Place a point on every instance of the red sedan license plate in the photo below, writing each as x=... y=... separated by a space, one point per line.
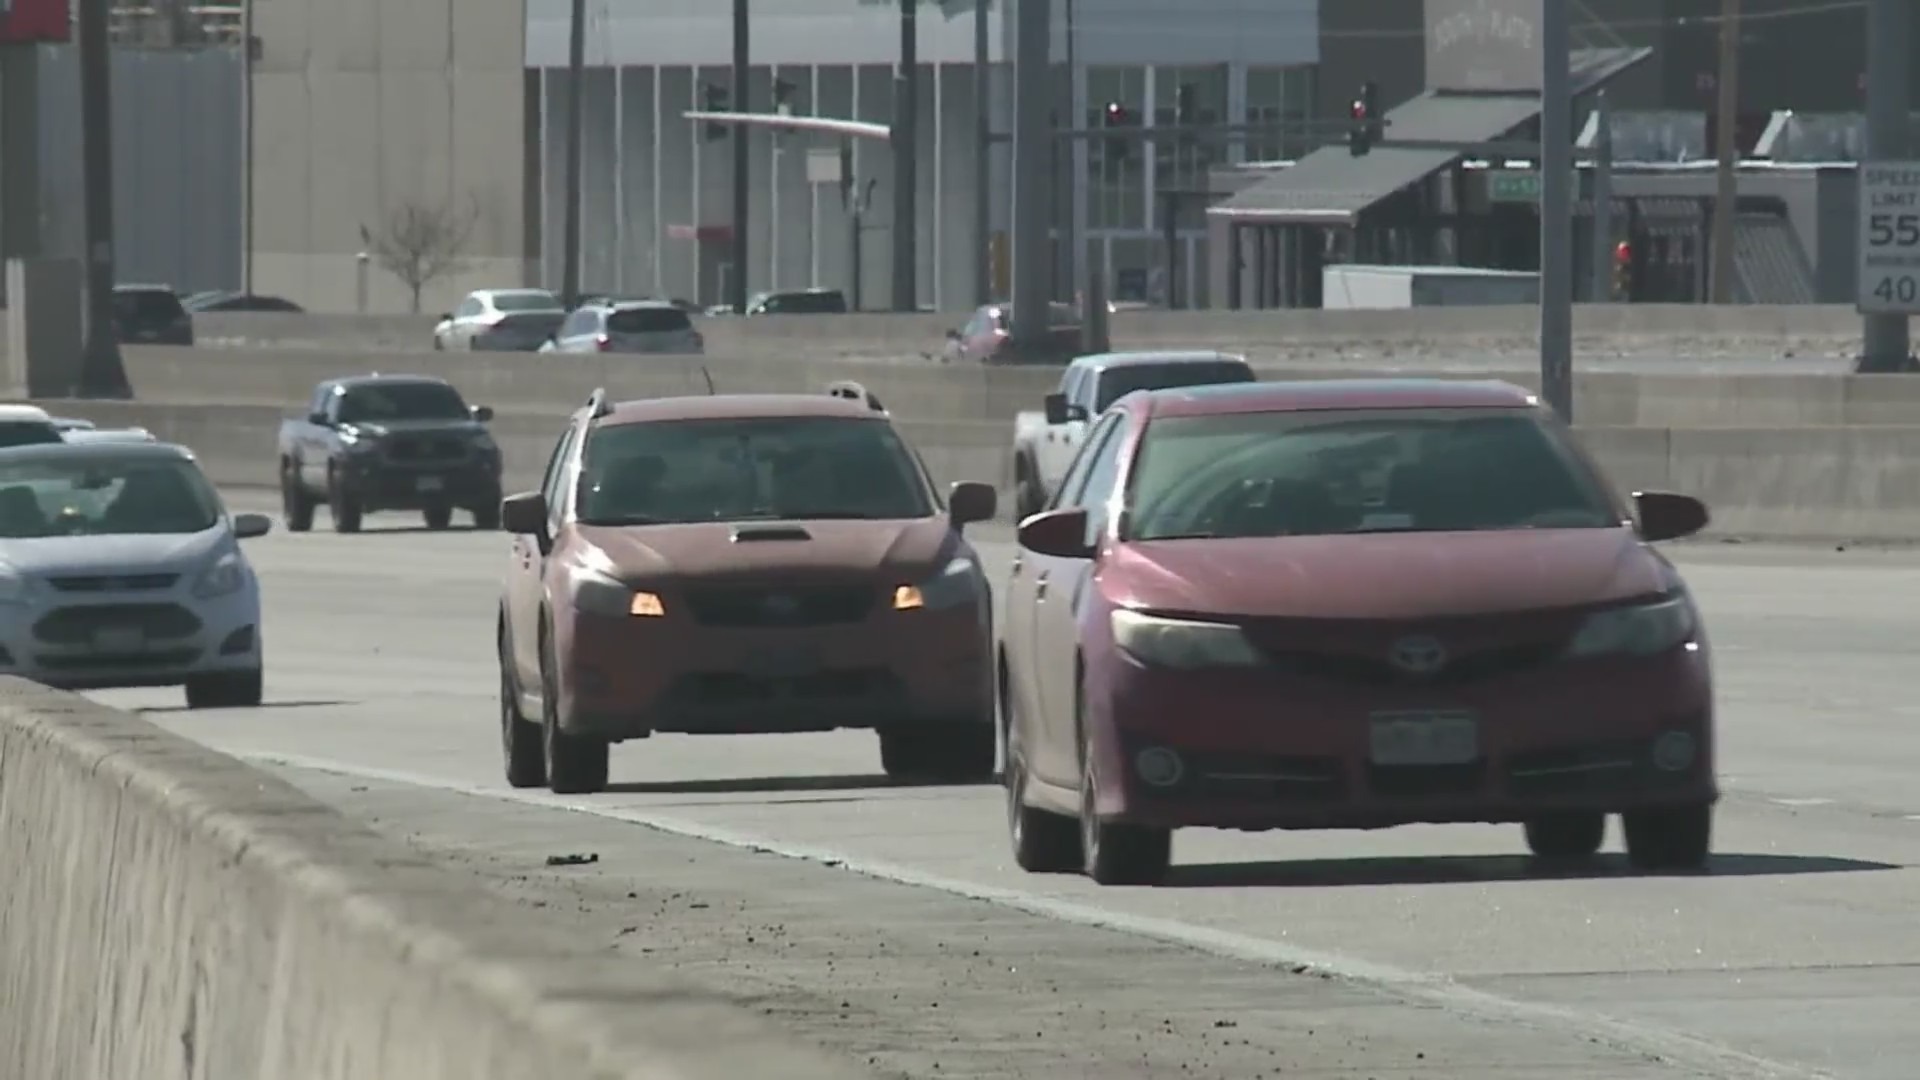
x=1424 y=737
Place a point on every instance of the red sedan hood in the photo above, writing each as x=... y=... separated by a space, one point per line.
x=708 y=550
x=1385 y=575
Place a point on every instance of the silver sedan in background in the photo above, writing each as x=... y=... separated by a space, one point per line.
x=628 y=326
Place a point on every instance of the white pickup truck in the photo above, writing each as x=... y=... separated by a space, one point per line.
x=1046 y=440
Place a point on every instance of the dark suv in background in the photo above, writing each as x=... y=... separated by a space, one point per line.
x=150 y=315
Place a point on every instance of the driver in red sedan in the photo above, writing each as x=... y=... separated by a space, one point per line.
x=1349 y=604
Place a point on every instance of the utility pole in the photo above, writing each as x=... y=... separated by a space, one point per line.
x=742 y=194
x=1073 y=273
x=103 y=372
x=246 y=147
x=906 y=179
x=576 y=87
x=1889 y=29
x=983 y=158
x=1556 y=209
x=1727 y=149
x=1032 y=160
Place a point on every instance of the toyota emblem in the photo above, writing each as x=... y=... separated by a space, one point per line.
x=1418 y=655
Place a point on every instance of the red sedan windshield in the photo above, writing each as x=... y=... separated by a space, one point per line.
x=1353 y=471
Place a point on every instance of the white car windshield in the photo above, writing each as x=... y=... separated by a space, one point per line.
x=104 y=496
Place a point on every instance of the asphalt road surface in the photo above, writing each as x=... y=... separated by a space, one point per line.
x=887 y=921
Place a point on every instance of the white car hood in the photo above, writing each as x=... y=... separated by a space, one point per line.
x=184 y=552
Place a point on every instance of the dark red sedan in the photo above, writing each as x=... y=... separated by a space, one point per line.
x=1349 y=605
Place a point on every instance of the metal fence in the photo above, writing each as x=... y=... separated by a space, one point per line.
x=177 y=155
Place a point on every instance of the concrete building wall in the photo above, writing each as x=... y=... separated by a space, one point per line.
x=177 y=163
x=366 y=107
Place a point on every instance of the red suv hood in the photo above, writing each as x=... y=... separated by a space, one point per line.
x=708 y=550
x=1385 y=575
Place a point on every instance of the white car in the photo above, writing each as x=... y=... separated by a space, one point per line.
x=27 y=425
x=500 y=320
x=120 y=566
x=74 y=429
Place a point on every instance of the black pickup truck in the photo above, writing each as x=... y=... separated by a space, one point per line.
x=389 y=442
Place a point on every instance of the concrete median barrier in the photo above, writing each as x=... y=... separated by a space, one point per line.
x=946 y=392
x=170 y=912
x=1822 y=482
x=1691 y=327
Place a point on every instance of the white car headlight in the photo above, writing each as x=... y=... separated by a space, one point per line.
x=224 y=576
x=1182 y=643
x=957 y=583
x=1642 y=630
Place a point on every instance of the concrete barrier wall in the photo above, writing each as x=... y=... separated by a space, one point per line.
x=1809 y=482
x=172 y=913
x=1763 y=327
x=922 y=390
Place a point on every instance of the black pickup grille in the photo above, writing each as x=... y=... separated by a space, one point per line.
x=98 y=583
x=425 y=448
x=773 y=607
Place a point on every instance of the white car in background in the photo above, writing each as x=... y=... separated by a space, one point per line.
x=27 y=425
x=500 y=320
x=627 y=326
x=120 y=566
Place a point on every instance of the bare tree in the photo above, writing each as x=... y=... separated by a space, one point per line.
x=421 y=242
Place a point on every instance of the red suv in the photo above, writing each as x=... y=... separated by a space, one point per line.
x=1349 y=604
x=743 y=564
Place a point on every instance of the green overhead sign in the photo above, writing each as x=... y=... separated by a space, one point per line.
x=1513 y=187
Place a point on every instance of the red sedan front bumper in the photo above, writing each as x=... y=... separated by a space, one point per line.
x=1266 y=750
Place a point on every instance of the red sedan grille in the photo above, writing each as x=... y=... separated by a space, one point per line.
x=1449 y=653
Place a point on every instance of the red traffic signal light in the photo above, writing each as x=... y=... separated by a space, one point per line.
x=1116 y=114
x=1359 y=109
x=1622 y=254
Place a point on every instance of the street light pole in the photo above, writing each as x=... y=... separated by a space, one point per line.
x=1889 y=27
x=570 y=219
x=983 y=158
x=742 y=161
x=906 y=177
x=1727 y=149
x=1032 y=158
x=1556 y=210
x=246 y=147
x=103 y=372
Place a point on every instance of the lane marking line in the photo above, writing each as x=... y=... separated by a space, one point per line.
x=1701 y=1056
x=1801 y=802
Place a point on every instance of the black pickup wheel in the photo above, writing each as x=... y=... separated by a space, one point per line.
x=295 y=504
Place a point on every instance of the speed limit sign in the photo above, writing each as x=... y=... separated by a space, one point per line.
x=1890 y=238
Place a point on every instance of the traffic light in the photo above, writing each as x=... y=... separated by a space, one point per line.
x=1623 y=271
x=713 y=99
x=1117 y=116
x=1364 y=115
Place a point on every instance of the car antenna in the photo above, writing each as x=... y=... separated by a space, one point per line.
x=707 y=375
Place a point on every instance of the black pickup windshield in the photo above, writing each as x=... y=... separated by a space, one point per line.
x=379 y=402
x=772 y=468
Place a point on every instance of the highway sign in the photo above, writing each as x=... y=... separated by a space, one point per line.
x=1889 y=267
